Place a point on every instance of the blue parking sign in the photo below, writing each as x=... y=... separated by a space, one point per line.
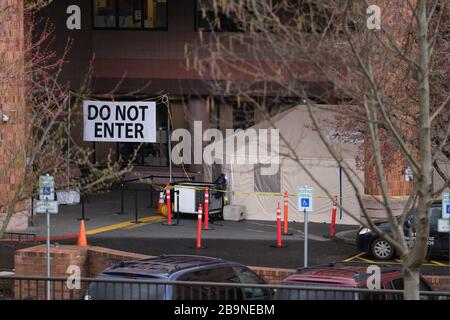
x=305 y=199
x=445 y=205
x=46 y=190
x=305 y=202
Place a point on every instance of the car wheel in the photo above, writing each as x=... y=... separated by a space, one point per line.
x=382 y=250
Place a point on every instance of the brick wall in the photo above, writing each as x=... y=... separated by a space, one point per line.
x=272 y=275
x=12 y=103
x=33 y=262
x=98 y=259
x=101 y=258
x=394 y=174
x=93 y=260
x=439 y=283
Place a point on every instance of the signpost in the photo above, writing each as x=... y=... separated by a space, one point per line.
x=119 y=121
x=47 y=205
x=444 y=223
x=446 y=205
x=305 y=204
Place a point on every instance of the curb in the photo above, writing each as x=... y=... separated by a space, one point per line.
x=41 y=239
x=348 y=237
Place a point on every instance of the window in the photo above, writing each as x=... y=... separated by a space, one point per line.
x=243 y=115
x=151 y=154
x=434 y=214
x=227 y=275
x=434 y=217
x=247 y=276
x=130 y=14
x=265 y=182
x=208 y=20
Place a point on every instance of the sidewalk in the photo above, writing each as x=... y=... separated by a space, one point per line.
x=101 y=211
x=104 y=221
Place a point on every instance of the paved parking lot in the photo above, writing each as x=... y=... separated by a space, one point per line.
x=246 y=241
x=249 y=242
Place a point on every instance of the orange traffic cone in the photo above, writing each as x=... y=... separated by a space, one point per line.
x=82 y=239
x=160 y=203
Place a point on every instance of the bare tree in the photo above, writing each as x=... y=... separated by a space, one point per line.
x=43 y=127
x=388 y=82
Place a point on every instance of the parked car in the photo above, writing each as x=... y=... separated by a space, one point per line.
x=345 y=276
x=180 y=268
x=368 y=241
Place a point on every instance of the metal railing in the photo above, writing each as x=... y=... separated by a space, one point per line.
x=34 y=288
x=19 y=236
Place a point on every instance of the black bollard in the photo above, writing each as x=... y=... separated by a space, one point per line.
x=122 y=200
x=178 y=206
x=136 y=206
x=82 y=209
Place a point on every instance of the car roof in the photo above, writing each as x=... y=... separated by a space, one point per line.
x=342 y=275
x=161 y=266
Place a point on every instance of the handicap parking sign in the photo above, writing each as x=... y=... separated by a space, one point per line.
x=305 y=202
x=46 y=190
x=305 y=199
x=445 y=205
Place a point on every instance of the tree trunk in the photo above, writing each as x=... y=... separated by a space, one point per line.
x=413 y=262
x=411 y=278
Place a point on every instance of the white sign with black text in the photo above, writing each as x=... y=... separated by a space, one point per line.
x=443 y=225
x=305 y=199
x=47 y=206
x=119 y=121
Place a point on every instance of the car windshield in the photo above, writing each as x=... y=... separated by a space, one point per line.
x=433 y=213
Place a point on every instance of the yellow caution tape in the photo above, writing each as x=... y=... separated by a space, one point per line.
x=267 y=194
x=260 y=194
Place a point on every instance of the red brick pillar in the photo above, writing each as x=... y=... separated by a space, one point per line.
x=12 y=105
x=32 y=262
x=394 y=172
x=398 y=188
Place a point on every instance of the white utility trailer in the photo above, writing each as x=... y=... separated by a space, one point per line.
x=191 y=194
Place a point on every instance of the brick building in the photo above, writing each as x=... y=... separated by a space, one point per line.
x=13 y=127
x=133 y=46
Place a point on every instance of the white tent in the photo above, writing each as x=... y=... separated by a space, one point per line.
x=258 y=192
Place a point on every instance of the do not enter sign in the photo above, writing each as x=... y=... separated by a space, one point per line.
x=124 y=121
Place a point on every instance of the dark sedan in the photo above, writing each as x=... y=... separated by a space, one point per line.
x=438 y=242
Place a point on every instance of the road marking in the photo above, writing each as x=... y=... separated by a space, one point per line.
x=353 y=257
x=143 y=222
x=440 y=264
x=256 y=230
x=126 y=224
x=431 y=263
x=366 y=260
